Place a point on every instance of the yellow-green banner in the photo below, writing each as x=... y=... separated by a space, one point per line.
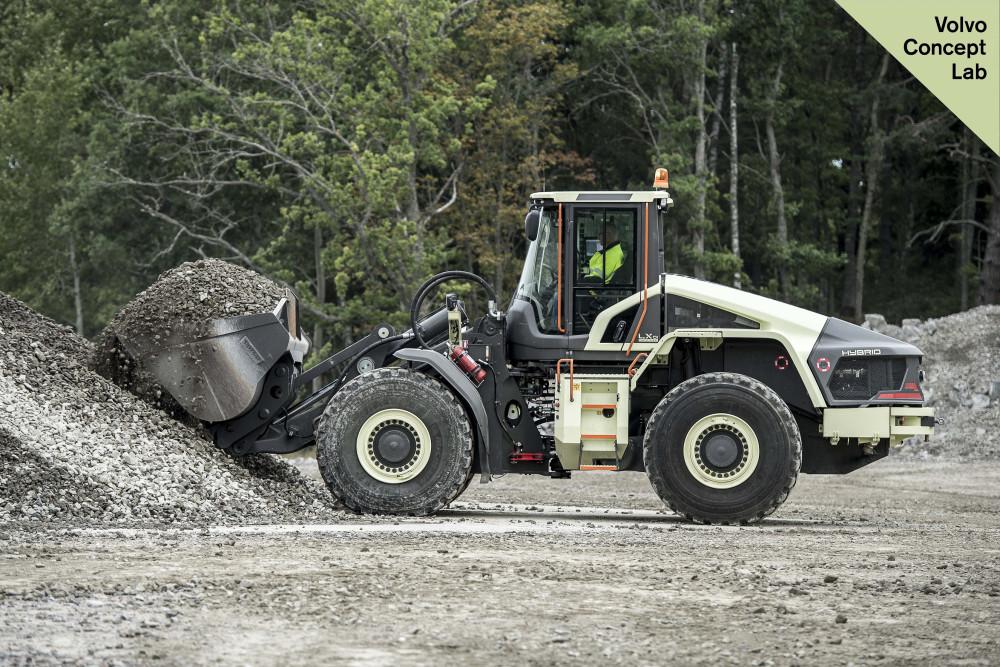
x=952 y=47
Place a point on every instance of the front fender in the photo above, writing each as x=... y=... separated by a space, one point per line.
x=461 y=385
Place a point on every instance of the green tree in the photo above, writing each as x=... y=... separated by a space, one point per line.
x=342 y=122
x=56 y=225
x=648 y=76
x=515 y=147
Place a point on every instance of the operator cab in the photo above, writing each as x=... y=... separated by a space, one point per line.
x=589 y=252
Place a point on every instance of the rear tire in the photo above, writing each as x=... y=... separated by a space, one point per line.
x=394 y=441
x=722 y=448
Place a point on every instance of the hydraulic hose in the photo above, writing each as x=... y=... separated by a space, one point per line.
x=431 y=283
x=415 y=305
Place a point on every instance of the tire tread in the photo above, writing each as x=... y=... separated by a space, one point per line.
x=788 y=425
x=343 y=397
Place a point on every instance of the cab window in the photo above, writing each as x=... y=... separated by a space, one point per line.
x=605 y=261
x=539 y=280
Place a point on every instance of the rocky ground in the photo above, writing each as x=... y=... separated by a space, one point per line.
x=895 y=564
x=962 y=362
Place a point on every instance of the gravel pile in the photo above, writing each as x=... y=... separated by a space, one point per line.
x=184 y=297
x=74 y=447
x=60 y=342
x=962 y=361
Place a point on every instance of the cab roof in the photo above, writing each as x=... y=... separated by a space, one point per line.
x=594 y=196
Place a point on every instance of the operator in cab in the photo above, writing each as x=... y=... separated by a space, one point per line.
x=608 y=259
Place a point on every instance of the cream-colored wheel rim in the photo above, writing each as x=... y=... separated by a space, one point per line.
x=393 y=472
x=737 y=472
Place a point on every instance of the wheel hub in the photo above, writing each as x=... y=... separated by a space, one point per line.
x=721 y=451
x=393 y=446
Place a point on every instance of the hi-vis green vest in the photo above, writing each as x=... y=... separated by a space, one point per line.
x=604 y=263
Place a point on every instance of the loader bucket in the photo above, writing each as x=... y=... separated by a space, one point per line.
x=215 y=370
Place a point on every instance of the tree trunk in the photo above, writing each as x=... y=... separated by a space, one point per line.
x=854 y=195
x=989 y=277
x=734 y=165
x=885 y=225
x=413 y=212
x=320 y=277
x=970 y=183
x=851 y=231
x=873 y=168
x=700 y=162
x=77 y=295
x=713 y=135
x=774 y=163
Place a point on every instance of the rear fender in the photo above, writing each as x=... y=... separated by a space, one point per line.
x=461 y=385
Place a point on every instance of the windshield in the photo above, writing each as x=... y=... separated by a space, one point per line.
x=540 y=276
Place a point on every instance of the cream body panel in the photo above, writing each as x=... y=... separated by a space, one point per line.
x=582 y=433
x=871 y=424
x=595 y=197
x=602 y=321
x=795 y=328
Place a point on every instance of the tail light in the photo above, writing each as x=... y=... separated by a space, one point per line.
x=910 y=392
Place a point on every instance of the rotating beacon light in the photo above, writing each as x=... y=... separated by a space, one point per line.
x=661 y=179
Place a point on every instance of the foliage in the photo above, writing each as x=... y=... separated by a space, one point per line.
x=352 y=147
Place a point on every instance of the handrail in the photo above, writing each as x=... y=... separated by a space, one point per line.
x=559 y=364
x=631 y=367
x=645 y=285
x=559 y=281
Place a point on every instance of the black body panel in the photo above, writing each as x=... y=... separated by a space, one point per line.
x=525 y=342
x=769 y=362
x=849 y=362
x=819 y=457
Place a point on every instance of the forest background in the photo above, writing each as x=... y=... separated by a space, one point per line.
x=351 y=148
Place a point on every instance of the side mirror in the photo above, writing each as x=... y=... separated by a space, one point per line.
x=531 y=224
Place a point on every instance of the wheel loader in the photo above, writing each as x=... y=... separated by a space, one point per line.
x=601 y=361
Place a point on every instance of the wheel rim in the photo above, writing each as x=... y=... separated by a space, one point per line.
x=721 y=451
x=393 y=446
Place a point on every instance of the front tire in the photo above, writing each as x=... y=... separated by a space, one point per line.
x=394 y=441
x=722 y=448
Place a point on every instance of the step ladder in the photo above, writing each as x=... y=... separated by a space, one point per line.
x=591 y=429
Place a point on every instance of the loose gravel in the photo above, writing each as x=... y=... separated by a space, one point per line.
x=893 y=565
x=183 y=297
x=76 y=448
x=962 y=361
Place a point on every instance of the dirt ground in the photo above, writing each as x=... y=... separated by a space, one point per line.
x=898 y=563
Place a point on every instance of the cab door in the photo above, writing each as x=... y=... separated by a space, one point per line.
x=602 y=252
x=607 y=292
